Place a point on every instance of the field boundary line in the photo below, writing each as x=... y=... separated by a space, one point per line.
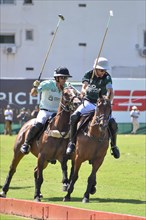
x=46 y=211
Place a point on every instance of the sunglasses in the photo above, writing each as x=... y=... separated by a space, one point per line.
x=64 y=77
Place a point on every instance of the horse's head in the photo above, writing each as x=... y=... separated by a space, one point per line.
x=103 y=111
x=70 y=99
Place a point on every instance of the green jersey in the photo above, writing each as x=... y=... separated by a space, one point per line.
x=95 y=84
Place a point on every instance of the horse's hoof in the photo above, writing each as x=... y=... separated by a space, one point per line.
x=85 y=200
x=3 y=194
x=93 y=190
x=37 y=199
x=41 y=196
x=64 y=187
x=66 y=199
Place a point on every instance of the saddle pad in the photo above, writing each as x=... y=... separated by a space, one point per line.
x=58 y=134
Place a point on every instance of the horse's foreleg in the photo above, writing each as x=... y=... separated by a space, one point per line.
x=73 y=180
x=91 y=182
x=93 y=188
x=65 y=180
x=38 y=176
x=38 y=183
x=16 y=159
x=35 y=180
x=92 y=179
x=72 y=170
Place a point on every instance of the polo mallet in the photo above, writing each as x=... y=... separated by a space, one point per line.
x=110 y=15
x=61 y=18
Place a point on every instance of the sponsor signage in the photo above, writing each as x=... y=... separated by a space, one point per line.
x=127 y=93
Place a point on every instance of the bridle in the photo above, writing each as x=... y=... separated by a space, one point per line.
x=67 y=103
x=102 y=118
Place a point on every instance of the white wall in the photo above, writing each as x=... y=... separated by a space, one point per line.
x=81 y=25
x=127 y=93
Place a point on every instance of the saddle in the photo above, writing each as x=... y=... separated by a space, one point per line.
x=50 y=119
x=84 y=121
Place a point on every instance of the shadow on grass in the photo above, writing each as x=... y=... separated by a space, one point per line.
x=97 y=200
x=18 y=187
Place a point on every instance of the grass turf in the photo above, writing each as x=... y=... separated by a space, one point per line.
x=13 y=217
x=121 y=184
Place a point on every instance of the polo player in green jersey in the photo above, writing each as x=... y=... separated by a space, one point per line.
x=96 y=79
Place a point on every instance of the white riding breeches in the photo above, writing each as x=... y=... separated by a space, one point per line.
x=43 y=116
x=85 y=108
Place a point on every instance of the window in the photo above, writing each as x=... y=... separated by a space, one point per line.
x=27 y=1
x=7 y=39
x=82 y=44
x=29 y=68
x=29 y=34
x=144 y=38
x=7 y=1
x=82 y=5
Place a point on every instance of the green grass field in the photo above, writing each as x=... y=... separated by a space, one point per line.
x=13 y=217
x=121 y=184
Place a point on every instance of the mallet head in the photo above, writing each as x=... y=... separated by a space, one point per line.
x=111 y=13
x=61 y=16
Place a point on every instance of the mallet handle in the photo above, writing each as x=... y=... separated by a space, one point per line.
x=111 y=14
x=47 y=54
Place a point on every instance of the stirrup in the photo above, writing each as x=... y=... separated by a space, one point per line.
x=25 y=148
x=115 y=152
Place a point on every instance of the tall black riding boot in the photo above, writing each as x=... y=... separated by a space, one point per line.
x=33 y=132
x=113 y=127
x=73 y=128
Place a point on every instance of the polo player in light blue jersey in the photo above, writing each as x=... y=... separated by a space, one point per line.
x=51 y=92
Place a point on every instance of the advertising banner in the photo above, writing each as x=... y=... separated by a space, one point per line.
x=127 y=93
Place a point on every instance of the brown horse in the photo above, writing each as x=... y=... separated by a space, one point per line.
x=92 y=145
x=54 y=138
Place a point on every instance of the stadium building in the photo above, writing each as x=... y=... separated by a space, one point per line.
x=26 y=32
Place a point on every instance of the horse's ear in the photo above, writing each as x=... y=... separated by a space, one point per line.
x=99 y=93
x=70 y=86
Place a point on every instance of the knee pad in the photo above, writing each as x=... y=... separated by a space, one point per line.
x=39 y=125
x=75 y=117
x=113 y=125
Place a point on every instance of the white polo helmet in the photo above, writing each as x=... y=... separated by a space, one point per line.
x=102 y=64
x=134 y=108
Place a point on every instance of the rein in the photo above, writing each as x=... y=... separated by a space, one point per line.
x=100 y=119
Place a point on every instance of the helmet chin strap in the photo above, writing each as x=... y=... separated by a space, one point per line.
x=60 y=87
x=57 y=78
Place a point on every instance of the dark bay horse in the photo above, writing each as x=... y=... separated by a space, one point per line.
x=54 y=141
x=54 y=138
x=92 y=145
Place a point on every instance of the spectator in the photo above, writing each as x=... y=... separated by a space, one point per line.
x=23 y=116
x=35 y=112
x=134 y=114
x=8 y=113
